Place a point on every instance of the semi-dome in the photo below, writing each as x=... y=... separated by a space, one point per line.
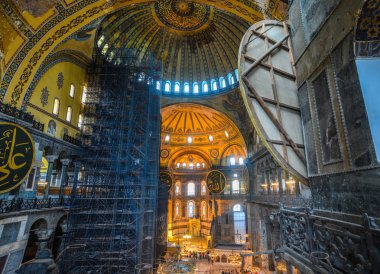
x=196 y=43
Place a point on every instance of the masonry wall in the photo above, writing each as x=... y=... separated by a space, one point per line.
x=342 y=165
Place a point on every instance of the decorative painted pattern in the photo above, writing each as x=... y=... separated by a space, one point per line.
x=60 y=79
x=248 y=10
x=44 y=96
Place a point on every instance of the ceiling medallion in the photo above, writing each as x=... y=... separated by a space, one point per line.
x=182 y=15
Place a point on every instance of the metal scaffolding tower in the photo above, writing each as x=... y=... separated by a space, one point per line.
x=111 y=224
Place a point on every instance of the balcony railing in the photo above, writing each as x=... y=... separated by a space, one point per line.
x=71 y=139
x=331 y=242
x=20 y=114
x=30 y=204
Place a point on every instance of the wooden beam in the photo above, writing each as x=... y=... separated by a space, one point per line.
x=276 y=70
x=262 y=57
x=274 y=119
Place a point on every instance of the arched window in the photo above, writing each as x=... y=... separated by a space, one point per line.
x=204 y=87
x=241 y=161
x=231 y=79
x=186 y=88
x=222 y=82
x=167 y=86
x=203 y=188
x=190 y=209
x=239 y=224
x=232 y=161
x=105 y=48
x=72 y=90
x=204 y=209
x=235 y=187
x=80 y=120
x=176 y=87
x=177 y=209
x=195 y=88
x=214 y=86
x=183 y=165
x=237 y=73
x=56 y=106
x=190 y=189
x=69 y=114
x=100 y=41
x=177 y=188
x=191 y=166
x=84 y=94
x=158 y=85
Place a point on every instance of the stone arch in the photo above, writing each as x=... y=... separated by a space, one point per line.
x=57 y=236
x=79 y=17
x=224 y=258
x=32 y=244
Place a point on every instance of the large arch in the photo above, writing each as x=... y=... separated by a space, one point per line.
x=18 y=75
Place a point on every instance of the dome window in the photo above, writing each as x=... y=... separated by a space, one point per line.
x=195 y=88
x=186 y=88
x=214 y=86
x=176 y=87
x=167 y=86
x=222 y=82
x=189 y=140
x=158 y=85
x=231 y=79
x=205 y=87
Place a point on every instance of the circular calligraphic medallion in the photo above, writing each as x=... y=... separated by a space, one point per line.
x=16 y=155
x=216 y=181
x=164 y=153
x=165 y=178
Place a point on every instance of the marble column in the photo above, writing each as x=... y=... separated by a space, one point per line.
x=50 y=159
x=65 y=163
x=77 y=167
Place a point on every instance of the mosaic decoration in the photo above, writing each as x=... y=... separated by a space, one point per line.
x=60 y=80
x=44 y=96
x=182 y=15
x=71 y=56
x=16 y=156
x=368 y=28
x=52 y=127
x=247 y=9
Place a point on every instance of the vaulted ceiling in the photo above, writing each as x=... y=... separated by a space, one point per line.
x=195 y=42
x=30 y=31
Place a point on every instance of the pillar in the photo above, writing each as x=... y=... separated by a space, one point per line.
x=65 y=163
x=50 y=159
x=77 y=167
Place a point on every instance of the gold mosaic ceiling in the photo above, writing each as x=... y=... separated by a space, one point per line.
x=195 y=42
x=184 y=120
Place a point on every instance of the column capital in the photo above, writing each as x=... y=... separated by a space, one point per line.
x=51 y=158
x=66 y=161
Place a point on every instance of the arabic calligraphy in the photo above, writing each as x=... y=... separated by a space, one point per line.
x=216 y=181
x=165 y=178
x=16 y=155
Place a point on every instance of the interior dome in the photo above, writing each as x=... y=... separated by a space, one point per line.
x=197 y=44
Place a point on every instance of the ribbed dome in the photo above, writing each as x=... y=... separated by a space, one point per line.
x=195 y=42
x=198 y=122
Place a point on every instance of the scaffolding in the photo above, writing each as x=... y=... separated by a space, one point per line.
x=111 y=223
